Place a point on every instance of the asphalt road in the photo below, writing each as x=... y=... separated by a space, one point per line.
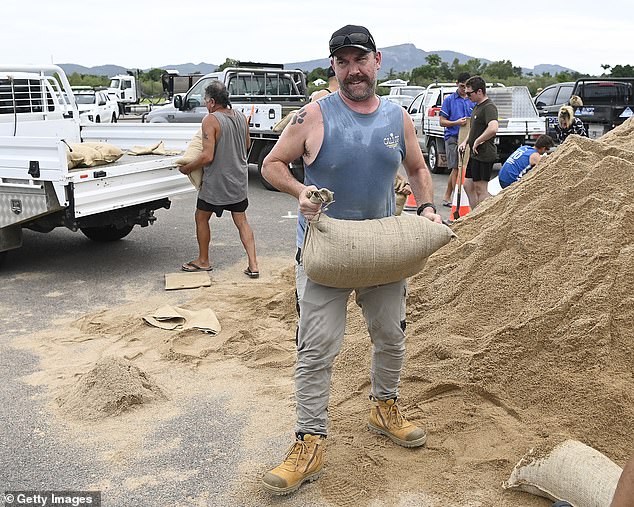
x=89 y=275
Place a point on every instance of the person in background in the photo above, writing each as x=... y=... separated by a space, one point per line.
x=575 y=101
x=455 y=110
x=352 y=143
x=568 y=124
x=332 y=87
x=225 y=134
x=484 y=128
x=523 y=160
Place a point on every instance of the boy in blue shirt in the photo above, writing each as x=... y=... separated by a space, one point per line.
x=523 y=160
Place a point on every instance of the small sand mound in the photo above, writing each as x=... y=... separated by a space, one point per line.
x=113 y=386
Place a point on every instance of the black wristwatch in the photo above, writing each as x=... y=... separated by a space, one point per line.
x=422 y=207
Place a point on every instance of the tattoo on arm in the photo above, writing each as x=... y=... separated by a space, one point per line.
x=299 y=117
x=205 y=136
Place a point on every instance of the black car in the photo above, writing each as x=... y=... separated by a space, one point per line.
x=550 y=99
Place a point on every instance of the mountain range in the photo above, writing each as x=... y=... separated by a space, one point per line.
x=400 y=58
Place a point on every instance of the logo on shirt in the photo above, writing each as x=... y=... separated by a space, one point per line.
x=391 y=141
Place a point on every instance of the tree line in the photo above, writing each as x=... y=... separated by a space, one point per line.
x=435 y=70
x=149 y=81
x=502 y=71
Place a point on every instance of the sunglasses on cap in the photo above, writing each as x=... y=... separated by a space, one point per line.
x=353 y=38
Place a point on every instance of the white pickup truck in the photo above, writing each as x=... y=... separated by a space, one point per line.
x=38 y=117
x=519 y=121
x=264 y=92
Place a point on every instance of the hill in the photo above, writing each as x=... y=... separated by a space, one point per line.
x=113 y=70
x=405 y=57
x=399 y=58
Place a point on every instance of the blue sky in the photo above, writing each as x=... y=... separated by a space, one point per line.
x=145 y=33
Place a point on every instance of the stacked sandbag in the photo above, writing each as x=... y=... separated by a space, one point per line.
x=194 y=149
x=92 y=154
x=364 y=253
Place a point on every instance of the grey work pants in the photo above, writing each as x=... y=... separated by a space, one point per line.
x=321 y=328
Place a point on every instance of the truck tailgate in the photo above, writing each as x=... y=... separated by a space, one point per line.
x=129 y=181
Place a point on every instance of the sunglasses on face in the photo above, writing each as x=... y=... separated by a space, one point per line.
x=353 y=38
x=470 y=92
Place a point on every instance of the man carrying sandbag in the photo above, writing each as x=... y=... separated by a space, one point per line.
x=352 y=143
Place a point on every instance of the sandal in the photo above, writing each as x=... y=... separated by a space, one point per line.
x=251 y=274
x=191 y=267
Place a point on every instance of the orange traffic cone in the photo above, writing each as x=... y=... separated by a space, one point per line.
x=462 y=207
x=410 y=204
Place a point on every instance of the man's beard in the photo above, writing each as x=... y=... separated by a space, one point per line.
x=358 y=96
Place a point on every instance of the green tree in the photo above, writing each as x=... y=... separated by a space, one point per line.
x=475 y=67
x=229 y=62
x=502 y=69
x=434 y=60
x=76 y=79
x=622 y=71
x=564 y=76
x=317 y=73
x=154 y=74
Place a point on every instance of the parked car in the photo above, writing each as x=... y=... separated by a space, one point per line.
x=415 y=110
x=606 y=103
x=95 y=106
x=550 y=99
x=403 y=95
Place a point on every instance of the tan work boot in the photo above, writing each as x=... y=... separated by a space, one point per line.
x=386 y=419
x=303 y=462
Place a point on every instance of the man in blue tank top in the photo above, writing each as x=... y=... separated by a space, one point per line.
x=523 y=160
x=353 y=143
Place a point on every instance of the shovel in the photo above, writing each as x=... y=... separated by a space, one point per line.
x=461 y=168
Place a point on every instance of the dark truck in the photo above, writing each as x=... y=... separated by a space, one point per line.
x=607 y=102
x=264 y=92
x=174 y=83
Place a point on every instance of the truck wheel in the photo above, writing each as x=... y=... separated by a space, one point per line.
x=114 y=118
x=432 y=156
x=107 y=232
x=265 y=151
x=97 y=120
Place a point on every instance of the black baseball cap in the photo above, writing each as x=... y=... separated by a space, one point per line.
x=352 y=36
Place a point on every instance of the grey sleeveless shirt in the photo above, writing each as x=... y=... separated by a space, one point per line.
x=358 y=160
x=225 y=180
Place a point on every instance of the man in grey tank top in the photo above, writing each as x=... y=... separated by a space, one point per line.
x=352 y=142
x=225 y=134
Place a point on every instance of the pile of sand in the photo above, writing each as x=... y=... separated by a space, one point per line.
x=520 y=334
x=111 y=387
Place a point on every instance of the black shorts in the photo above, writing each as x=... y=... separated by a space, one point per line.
x=479 y=171
x=239 y=207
